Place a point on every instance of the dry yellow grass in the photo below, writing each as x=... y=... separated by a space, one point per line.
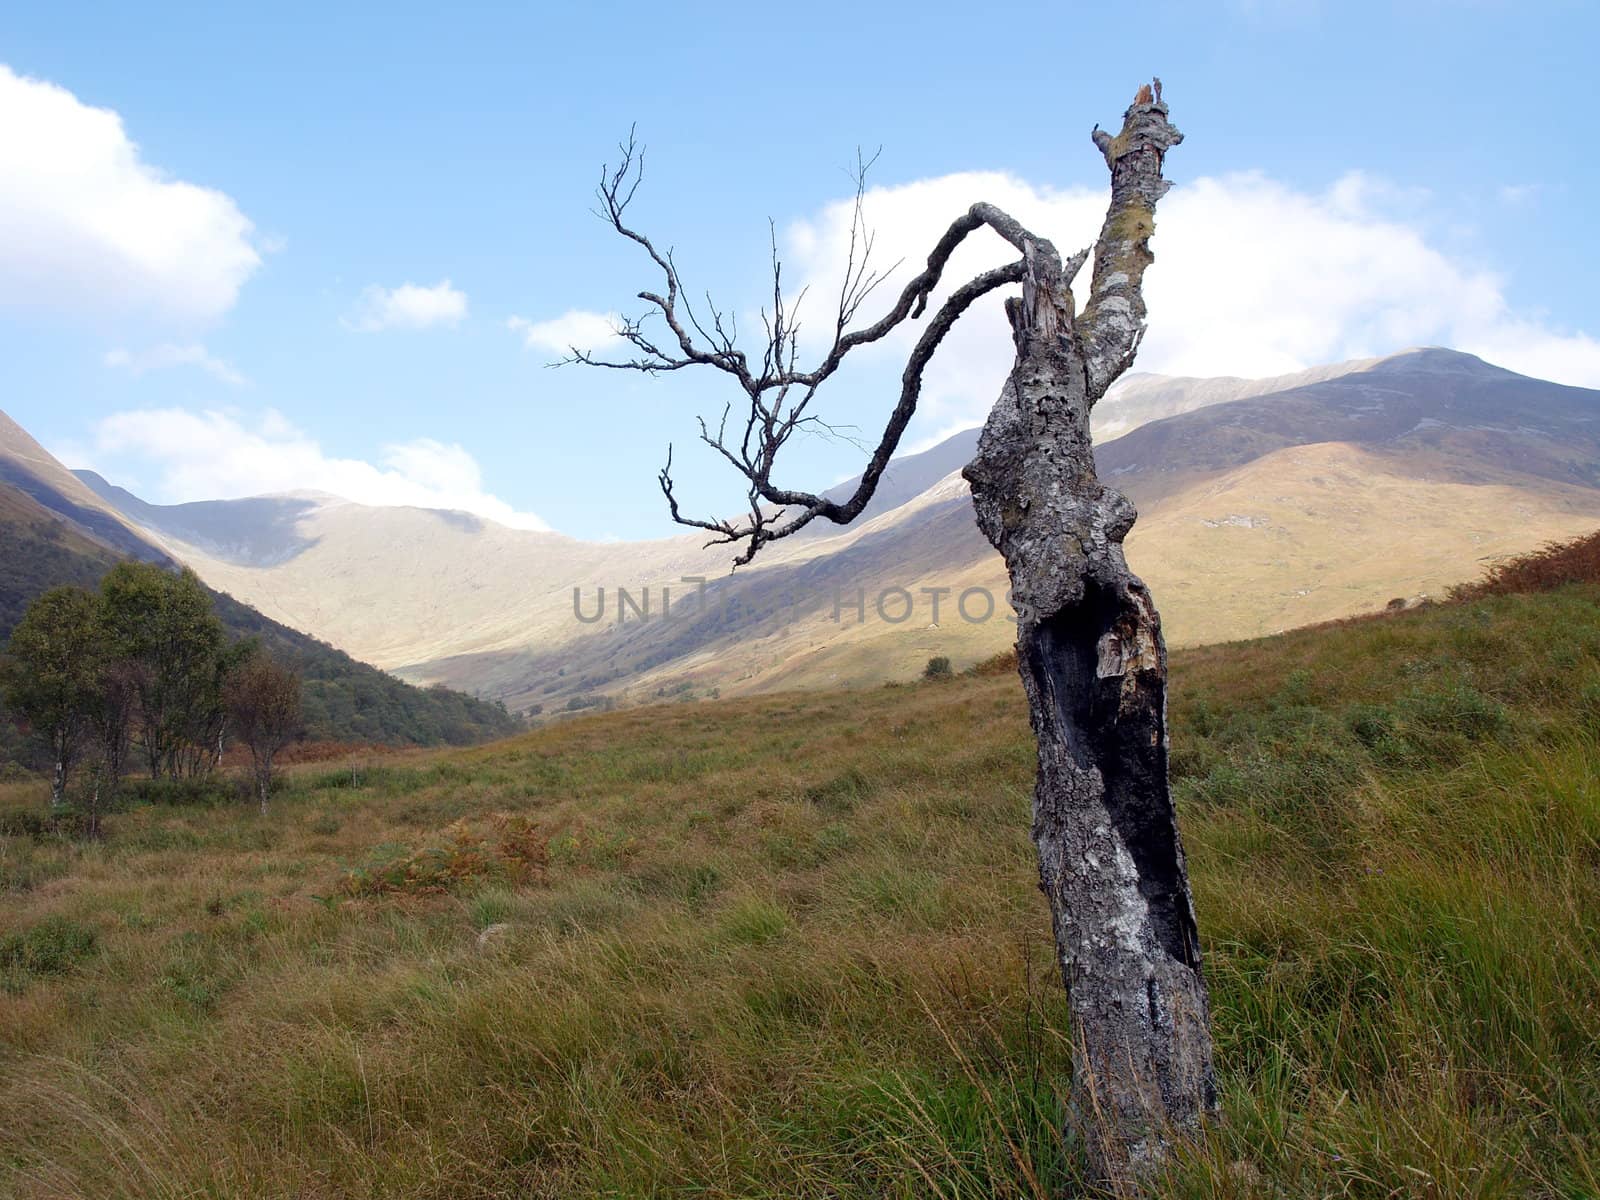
x=791 y=946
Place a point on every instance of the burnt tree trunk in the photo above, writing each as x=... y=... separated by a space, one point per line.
x=1089 y=641
x=1093 y=663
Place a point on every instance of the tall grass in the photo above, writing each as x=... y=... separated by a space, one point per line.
x=793 y=947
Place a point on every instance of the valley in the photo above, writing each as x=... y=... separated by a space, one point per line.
x=1265 y=504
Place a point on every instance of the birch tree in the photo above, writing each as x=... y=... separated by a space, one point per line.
x=50 y=675
x=163 y=623
x=262 y=700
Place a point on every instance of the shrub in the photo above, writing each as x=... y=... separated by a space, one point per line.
x=513 y=851
x=1460 y=710
x=206 y=792
x=40 y=827
x=52 y=947
x=1004 y=663
x=938 y=668
x=1542 y=570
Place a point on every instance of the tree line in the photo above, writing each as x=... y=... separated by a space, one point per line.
x=141 y=673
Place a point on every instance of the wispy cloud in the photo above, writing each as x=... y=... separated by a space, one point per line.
x=575 y=329
x=208 y=454
x=159 y=358
x=409 y=306
x=91 y=228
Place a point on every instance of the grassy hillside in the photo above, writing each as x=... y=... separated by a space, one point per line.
x=345 y=700
x=792 y=946
x=38 y=552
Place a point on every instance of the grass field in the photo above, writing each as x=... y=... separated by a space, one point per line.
x=792 y=947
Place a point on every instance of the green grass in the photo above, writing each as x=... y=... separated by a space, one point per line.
x=793 y=947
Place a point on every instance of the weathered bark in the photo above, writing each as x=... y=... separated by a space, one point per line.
x=1089 y=640
x=1092 y=660
x=58 y=778
x=111 y=722
x=263 y=772
x=94 y=802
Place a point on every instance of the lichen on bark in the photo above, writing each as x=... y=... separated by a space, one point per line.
x=1093 y=664
x=1089 y=645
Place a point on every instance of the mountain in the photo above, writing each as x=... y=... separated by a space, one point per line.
x=907 y=477
x=56 y=530
x=1264 y=504
x=27 y=468
x=1453 y=410
x=1140 y=398
x=258 y=532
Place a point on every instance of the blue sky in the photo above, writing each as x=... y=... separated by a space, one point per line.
x=206 y=298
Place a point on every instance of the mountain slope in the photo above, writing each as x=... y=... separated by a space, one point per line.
x=258 y=532
x=31 y=470
x=1139 y=398
x=1447 y=405
x=39 y=551
x=345 y=700
x=1264 y=504
x=1134 y=401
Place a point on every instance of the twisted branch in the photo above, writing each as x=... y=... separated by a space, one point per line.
x=779 y=393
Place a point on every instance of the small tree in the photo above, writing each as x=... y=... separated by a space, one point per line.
x=111 y=714
x=163 y=622
x=51 y=674
x=263 y=704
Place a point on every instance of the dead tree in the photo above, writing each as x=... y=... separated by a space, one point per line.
x=1089 y=644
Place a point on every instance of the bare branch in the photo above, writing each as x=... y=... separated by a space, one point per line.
x=779 y=392
x=910 y=392
x=766 y=526
x=617 y=188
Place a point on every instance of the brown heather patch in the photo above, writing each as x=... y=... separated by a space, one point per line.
x=1553 y=565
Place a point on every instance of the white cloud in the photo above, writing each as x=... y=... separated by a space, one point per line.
x=161 y=357
x=211 y=455
x=572 y=330
x=1252 y=278
x=906 y=221
x=87 y=226
x=409 y=306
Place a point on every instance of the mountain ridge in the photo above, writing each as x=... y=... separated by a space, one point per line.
x=76 y=543
x=1257 y=503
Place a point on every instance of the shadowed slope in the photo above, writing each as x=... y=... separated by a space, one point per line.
x=345 y=700
x=260 y=532
x=1264 y=504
